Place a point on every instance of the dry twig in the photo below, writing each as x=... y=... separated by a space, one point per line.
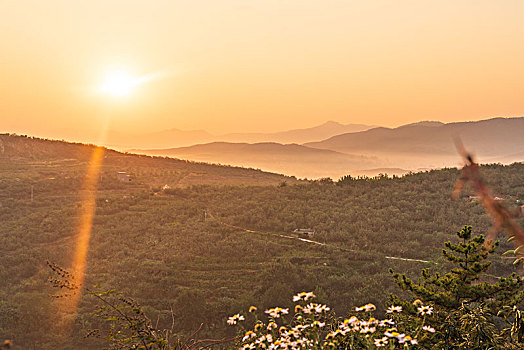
x=500 y=216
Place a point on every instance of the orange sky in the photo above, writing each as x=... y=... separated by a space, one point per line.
x=257 y=65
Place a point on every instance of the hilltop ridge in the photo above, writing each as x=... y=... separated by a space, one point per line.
x=26 y=150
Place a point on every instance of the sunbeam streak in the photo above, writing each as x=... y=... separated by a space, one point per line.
x=85 y=225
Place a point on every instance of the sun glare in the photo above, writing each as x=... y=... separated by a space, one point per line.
x=119 y=83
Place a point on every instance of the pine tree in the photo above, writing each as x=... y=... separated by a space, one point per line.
x=468 y=311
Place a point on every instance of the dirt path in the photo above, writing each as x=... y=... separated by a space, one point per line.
x=309 y=241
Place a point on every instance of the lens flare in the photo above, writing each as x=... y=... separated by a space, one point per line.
x=85 y=224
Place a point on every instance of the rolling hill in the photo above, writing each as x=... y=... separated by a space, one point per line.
x=23 y=152
x=292 y=159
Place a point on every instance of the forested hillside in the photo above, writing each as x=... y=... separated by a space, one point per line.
x=220 y=248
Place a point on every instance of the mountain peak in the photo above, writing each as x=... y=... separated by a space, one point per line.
x=332 y=123
x=430 y=123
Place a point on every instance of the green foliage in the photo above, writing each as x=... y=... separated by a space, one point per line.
x=468 y=308
x=282 y=184
x=124 y=322
x=456 y=310
x=189 y=309
x=344 y=180
x=129 y=327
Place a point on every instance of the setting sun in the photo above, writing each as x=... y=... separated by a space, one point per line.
x=119 y=83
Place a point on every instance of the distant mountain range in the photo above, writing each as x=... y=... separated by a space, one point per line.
x=316 y=133
x=181 y=138
x=412 y=147
x=333 y=149
x=422 y=145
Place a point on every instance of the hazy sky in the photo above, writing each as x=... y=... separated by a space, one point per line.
x=258 y=65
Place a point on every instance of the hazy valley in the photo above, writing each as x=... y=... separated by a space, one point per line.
x=397 y=151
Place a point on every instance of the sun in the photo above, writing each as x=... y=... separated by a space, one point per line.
x=119 y=83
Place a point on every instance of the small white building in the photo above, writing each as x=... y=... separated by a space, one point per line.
x=304 y=232
x=124 y=177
